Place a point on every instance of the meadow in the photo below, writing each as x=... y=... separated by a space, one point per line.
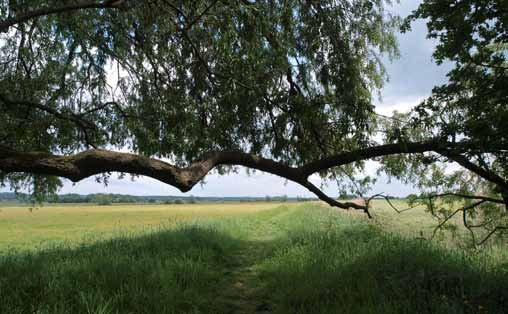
x=240 y=258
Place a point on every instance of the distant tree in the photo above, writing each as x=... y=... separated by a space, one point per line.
x=301 y=199
x=103 y=199
x=126 y=199
x=178 y=201
x=268 y=198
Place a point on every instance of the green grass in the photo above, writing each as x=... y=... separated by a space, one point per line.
x=268 y=259
x=351 y=267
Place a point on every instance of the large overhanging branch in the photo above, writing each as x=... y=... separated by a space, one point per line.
x=80 y=5
x=96 y=161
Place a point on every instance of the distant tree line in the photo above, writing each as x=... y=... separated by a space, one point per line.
x=285 y=198
x=108 y=199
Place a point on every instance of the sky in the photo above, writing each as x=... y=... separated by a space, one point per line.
x=411 y=79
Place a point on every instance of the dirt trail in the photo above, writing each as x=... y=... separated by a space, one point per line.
x=242 y=293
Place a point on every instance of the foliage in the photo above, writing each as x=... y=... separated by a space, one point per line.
x=103 y=199
x=474 y=36
x=472 y=107
x=176 y=81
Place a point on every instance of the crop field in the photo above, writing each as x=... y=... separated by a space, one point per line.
x=39 y=227
x=239 y=258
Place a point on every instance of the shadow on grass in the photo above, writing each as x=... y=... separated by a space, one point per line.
x=174 y=271
x=345 y=270
x=362 y=270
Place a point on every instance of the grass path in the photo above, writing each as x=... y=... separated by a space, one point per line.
x=242 y=293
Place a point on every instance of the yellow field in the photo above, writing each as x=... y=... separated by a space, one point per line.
x=22 y=228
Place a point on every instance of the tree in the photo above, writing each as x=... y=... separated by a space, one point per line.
x=210 y=85
x=284 y=87
x=103 y=199
x=471 y=108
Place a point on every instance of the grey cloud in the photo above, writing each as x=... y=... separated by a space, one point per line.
x=414 y=74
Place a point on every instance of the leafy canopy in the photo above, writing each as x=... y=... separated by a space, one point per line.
x=279 y=86
x=472 y=108
x=179 y=80
x=291 y=80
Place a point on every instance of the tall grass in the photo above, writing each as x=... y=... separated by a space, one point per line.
x=176 y=271
x=348 y=267
x=305 y=260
